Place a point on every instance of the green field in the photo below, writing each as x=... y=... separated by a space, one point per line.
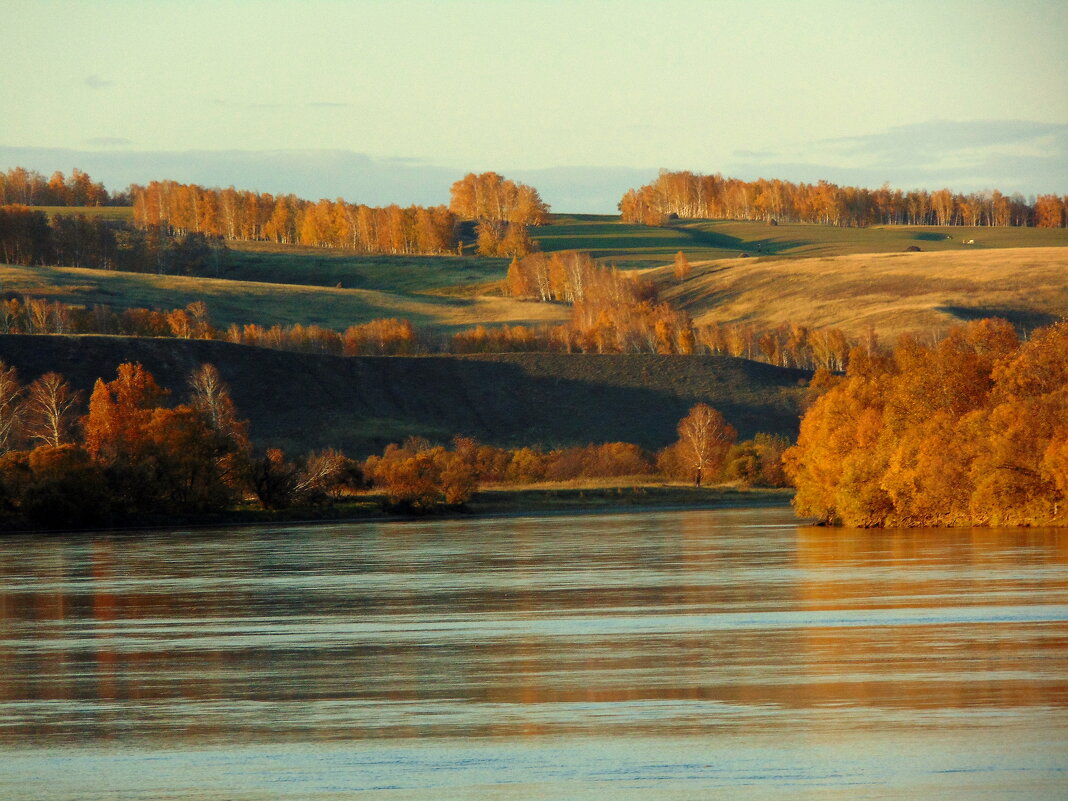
x=232 y=301
x=804 y=274
x=123 y=213
x=636 y=246
x=295 y=264
x=811 y=274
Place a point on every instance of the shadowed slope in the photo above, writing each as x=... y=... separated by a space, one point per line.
x=359 y=404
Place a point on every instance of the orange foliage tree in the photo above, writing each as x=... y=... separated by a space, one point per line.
x=969 y=432
x=157 y=458
x=418 y=476
x=705 y=438
x=692 y=195
x=242 y=215
x=502 y=210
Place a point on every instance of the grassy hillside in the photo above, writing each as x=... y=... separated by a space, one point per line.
x=123 y=213
x=811 y=274
x=635 y=246
x=296 y=264
x=269 y=303
x=893 y=292
x=359 y=404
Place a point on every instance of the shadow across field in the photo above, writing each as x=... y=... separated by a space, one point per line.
x=359 y=404
x=765 y=246
x=1023 y=319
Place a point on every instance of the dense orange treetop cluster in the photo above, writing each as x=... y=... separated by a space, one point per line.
x=233 y=214
x=502 y=209
x=692 y=195
x=973 y=431
x=134 y=456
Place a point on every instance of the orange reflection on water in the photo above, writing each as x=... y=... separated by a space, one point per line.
x=664 y=624
x=958 y=584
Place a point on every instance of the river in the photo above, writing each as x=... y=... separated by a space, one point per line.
x=663 y=655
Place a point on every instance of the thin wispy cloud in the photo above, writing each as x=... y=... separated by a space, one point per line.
x=218 y=101
x=108 y=141
x=96 y=82
x=940 y=138
x=1011 y=155
x=328 y=104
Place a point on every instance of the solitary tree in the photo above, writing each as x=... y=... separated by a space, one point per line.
x=211 y=397
x=682 y=266
x=704 y=439
x=50 y=408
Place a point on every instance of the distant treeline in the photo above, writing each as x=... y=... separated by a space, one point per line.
x=30 y=188
x=501 y=210
x=29 y=236
x=692 y=195
x=242 y=215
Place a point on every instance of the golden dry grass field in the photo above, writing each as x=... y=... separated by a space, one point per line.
x=893 y=293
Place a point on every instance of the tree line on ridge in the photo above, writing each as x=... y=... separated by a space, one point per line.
x=695 y=196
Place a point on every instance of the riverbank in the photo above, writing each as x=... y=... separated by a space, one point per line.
x=564 y=498
x=505 y=501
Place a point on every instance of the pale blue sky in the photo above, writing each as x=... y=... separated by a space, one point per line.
x=966 y=94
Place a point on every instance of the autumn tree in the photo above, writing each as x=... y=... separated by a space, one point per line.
x=704 y=440
x=966 y=432
x=119 y=411
x=323 y=476
x=210 y=396
x=50 y=408
x=681 y=266
x=11 y=411
x=161 y=459
x=502 y=210
x=418 y=476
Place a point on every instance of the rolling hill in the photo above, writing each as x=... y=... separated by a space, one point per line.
x=893 y=293
x=301 y=402
x=246 y=301
x=634 y=246
x=806 y=274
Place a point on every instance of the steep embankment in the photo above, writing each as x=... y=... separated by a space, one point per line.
x=300 y=401
x=893 y=293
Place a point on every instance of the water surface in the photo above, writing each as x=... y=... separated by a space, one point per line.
x=674 y=655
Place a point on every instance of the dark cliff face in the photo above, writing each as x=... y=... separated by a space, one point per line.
x=302 y=402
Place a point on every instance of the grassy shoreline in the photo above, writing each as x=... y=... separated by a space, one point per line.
x=538 y=500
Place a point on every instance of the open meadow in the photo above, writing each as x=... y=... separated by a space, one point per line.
x=891 y=293
x=632 y=246
x=237 y=301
